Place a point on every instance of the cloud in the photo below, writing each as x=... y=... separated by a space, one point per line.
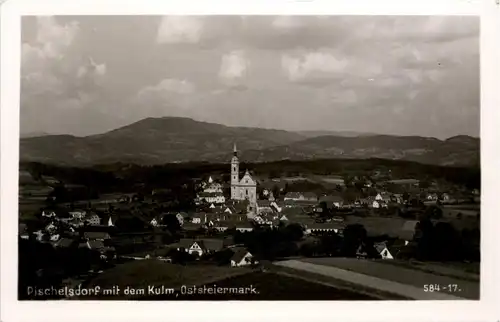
x=234 y=68
x=52 y=41
x=313 y=64
x=91 y=69
x=180 y=29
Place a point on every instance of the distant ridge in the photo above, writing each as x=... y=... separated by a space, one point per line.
x=178 y=139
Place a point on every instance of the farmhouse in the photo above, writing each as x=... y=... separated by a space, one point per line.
x=384 y=252
x=200 y=246
x=241 y=257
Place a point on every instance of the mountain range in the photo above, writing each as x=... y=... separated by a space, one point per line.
x=175 y=139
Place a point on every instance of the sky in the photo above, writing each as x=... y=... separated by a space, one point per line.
x=401 y=75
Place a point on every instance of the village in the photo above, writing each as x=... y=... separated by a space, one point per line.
x=249 y=221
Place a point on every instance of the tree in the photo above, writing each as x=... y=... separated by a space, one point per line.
x=293 y=232
x=354 y=235
x=172 y=223
x=434 y=212
x=276 y=191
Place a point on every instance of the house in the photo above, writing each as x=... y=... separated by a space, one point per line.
x=95 y=244
x=332 y=201
x=264 y=206
x=319 y=228
x=96 y=235
x=244 y=226
x=200 y=246
x=49 y=214
x=377 y=204
x=408 y=230
x=275 y=206
x=77 y=214
x=196 y=220
x=397 y=198
x=384 y=252
x=284 y=218
x=301 y=196
x=432 y=197
x=241 y=257
x=384 y=197
x=212 y=197
x=93 y=219
x=212 y=187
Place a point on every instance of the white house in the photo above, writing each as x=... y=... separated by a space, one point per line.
x=49 y=214
x=241 y=257
x=383 y=251
x=196 y=220
x=377 y=204
x=200 y=247
x=212 y=197
x=154 y=222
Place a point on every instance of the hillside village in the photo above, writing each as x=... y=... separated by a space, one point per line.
x=251 y=220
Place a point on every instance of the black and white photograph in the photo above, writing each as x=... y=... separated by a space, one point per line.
x=249 y=158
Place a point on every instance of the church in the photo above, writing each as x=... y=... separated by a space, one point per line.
x=244 y=188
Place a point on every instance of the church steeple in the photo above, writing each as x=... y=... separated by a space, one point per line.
x=235 y=152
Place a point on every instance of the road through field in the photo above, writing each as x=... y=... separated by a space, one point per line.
x=367 y=281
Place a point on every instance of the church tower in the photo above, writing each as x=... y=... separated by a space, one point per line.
x=235 y=170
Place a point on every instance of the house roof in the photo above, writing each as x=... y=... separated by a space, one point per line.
x=212 y=244
x=410 y=225
x=380 y=247
x=96 y=235
x=239 y=254
x=263 y=203
x=210 y=194
x=95 y=244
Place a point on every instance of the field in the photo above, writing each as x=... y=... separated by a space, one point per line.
x=468 y=288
